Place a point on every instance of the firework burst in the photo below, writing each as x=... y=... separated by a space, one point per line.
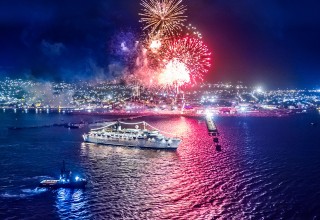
x=169 y=55
x=190 y=51
x=163 y=17
x=174 y=73
x=192 y=31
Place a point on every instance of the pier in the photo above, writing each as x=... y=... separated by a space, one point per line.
x=213 y=131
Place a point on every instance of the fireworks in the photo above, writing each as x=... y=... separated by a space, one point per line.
x=171 y=55
x=180 y=60
x=192 y=31
x=155 y=45
x=163 y=17
x=174 y=73
x=192 y=52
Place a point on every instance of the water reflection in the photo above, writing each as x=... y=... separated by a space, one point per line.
x=163 y=183
x=71 y=203
x=257 y=175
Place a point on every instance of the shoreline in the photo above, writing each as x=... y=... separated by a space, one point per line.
x=257 y=113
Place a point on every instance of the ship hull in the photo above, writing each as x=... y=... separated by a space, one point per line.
x=139 y=143
x=56 y=184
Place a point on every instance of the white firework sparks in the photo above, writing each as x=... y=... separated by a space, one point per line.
x=163 y=17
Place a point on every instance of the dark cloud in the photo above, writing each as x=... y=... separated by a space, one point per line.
x=52 y=49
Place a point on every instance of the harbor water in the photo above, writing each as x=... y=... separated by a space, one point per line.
x=269 y=168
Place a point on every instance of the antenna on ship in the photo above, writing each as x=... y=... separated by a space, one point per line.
x=63 y=167
x=63 y=170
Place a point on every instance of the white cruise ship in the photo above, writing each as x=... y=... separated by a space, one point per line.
x=113 y=134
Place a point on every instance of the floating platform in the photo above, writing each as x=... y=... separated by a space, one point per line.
x=211 y=126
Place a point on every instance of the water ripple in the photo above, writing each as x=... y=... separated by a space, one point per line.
x=257 y=175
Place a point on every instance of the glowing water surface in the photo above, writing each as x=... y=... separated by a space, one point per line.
x=268 y=167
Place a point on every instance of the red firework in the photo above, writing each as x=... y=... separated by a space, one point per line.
x=190 y=51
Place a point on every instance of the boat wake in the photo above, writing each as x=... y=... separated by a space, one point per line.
x=23 y=193
x=37 y=178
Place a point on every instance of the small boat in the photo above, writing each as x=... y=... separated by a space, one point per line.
x=216 y=140
x=66 y=180
x=218 y=147
x=15 y=128
x=74 y=125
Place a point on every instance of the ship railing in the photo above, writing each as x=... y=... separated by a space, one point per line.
x=133 y=123
x=107 y=126
x=137 y=123
x=171 y=134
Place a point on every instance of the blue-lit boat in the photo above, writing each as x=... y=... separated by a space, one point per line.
x=66 y=180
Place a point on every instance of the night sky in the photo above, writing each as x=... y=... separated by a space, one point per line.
x=273 y=43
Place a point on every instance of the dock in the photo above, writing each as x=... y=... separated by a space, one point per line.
x=213 y=131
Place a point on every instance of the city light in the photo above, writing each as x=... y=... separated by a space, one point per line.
x=208 y=113
x=113 y=97
x=259 y=90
